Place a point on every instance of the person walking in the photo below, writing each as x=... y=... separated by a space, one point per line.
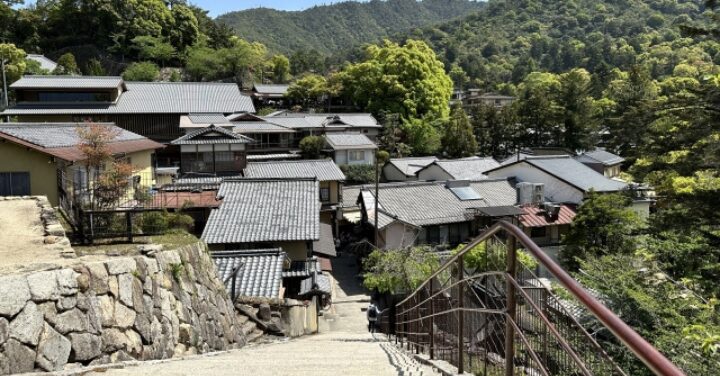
x=372 y=316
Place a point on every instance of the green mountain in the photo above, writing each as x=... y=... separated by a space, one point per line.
x=330 y=28
x=509 y=38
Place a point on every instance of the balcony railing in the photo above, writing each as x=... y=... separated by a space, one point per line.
x=501 y=319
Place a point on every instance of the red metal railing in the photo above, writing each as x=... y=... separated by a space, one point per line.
x=492 y=322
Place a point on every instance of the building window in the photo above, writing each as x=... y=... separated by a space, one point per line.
x=356 y=155
x=538 y=232
x=325 y=194
x=433 y=234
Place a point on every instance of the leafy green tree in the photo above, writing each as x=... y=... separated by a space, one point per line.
x=94 y=68
x=398 y=271
x=422 y=136
x=538 y=109
x=458 y=77
x=279 y=66
x=153 y=48
x=66 y=65
x=682 y=325
x=141 y=71
x=33 y=67
x=359 y=174
x=497 y=130
x=458 y=140
x=312 y=146
x=204 y=64
x=409 y=80
x=580 y=126
x=604 y=225
x=308 y=89
x=186 y=29
x=241 y=59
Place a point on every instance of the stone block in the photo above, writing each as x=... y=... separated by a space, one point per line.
x=143 y=327
x=137 y=296
x=14 y=293
x=113 y=339
x=55 y=230
x=125 y=289
x=264 y=312
x=85 y=346
x=4 y=330
x=120 y=356
x=44 y=286
x=53 y=350
x=124 y=316
x=72 y=321
x=121 y=266
x=107 y=310
x=49 y=312
x=134 y=345
x=20 y=357
x=114 y=287
x=67 y=282
x=186 y=334
x=98 y=278
x=66 y=302
x=27 y=325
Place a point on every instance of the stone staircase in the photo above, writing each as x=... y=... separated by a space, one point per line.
x=407 y=365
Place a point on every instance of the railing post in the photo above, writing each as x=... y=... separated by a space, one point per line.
x=432 y=319
x=461 y=323
x=511 y=258
x=129 y=224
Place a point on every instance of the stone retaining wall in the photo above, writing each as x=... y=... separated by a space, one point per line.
x=154 y=306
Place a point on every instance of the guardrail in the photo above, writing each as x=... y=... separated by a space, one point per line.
x=501 y=319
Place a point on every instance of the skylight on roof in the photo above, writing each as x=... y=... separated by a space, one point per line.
x=465 y=193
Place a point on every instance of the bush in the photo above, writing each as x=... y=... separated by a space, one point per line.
x=142 y=71
x=180 y=221
x=359 y=174
x=155 y=222
x=311 y=146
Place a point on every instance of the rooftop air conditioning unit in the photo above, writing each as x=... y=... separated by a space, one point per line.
x=538 y=193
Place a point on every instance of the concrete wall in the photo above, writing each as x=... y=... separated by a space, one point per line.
x=43 y=172
x=155 y=306
x=556 y=190
x=142 y=165
x=398 y=235
x=433 y=172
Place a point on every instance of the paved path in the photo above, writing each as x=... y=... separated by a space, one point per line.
x=345 y=348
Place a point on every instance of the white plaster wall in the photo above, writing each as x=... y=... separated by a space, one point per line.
x=398 y=235
x=391 y=173
x=433 y=172
x=555 y=190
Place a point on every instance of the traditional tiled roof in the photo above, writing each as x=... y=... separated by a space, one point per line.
x=345 y=141
x=466 y=168
x=278 y=89
x=326 y=244
x=600 y=156
x=321 y=169
x=410 y=166
x=317 y=284
x=259 y=272
x=139 y=98
x=61 y=139
x=305 y=120
x=534 y=216
x=572 y=172
x=273 y=157
x=431 y=203
x=259 y=127
x=265 y=211
x=211 y=135
x=68 y=82
x=45 y=63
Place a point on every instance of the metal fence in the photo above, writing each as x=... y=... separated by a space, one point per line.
x=496 y=317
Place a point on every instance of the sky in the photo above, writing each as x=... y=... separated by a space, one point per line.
x=218 y=7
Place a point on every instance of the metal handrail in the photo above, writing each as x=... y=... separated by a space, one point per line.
x=644 y=351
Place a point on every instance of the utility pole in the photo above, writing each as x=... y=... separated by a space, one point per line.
x=6 y=103
x=377 y=199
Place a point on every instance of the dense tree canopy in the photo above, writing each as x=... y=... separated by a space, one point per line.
x=405 y=79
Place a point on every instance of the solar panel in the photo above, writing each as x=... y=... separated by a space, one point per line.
x=466 y=193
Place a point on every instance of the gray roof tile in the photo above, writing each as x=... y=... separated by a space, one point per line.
x=211 y=135
x=45 y=63
x=302 y=268
x=343 y=141
x=467 y=168
x=410 y=166
x=316 y=284
x=600 y=156
x=429 y=203
x=147 y=98
x=271 y=89
x=216 y=119
x=259 y=275
x=321 y=169
x=58 y=135
x=67 y=82
x=326 y=244
x=265 y=211
x=574 y=173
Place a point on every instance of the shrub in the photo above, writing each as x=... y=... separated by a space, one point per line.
x=359 y=174
x=155 y=222
x=141 y=71
x=180 y=221
x=311 y=146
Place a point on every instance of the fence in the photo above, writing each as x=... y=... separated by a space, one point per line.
x=126 y=208
x=497 y=318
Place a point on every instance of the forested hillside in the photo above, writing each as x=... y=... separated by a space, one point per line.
x=509 y=39
x=328 y=29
